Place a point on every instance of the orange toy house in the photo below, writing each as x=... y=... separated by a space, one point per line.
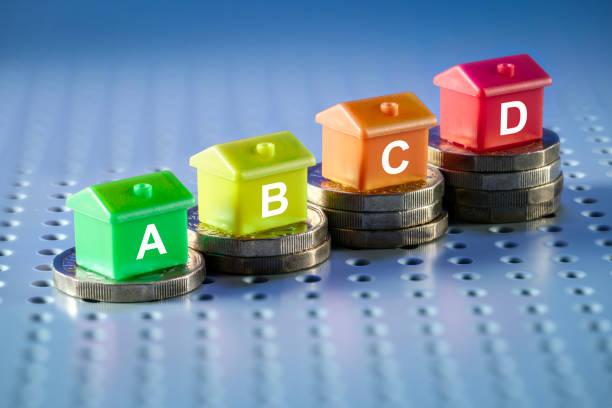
x=376 y=142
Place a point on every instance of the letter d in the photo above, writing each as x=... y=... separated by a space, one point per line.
x=503 y=123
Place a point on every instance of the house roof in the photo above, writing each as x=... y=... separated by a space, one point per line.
x=254 y=157
x=132 y=198
x=496 y=76
x=378 y=116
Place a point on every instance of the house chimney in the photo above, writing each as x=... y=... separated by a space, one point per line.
x=389 y=108
x=506 y=69
x=265 y=150
x=143 y=190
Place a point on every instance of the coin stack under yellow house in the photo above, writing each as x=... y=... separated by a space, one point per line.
x=252 y=216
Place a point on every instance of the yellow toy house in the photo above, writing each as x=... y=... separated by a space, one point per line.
x=253 y=184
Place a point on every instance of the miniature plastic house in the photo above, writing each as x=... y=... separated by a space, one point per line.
x=253 y=184
x=376 y=142
x=132 y=226
x=492 y=104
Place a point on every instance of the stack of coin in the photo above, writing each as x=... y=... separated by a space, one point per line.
x=165 y=283
x=276 y=251
x=397 y=216
x=522 y=183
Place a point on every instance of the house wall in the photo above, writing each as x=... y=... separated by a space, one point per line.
x=128 y=236
x=342 y=157
x=217 y=201
x=375 y=177
x=93 y=239
x=489 y=131
x=250 y=218
x=459 y=118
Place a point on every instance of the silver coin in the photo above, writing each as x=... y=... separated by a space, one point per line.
x=164 y=283
x=507 y=198
x=382 y=220
x=381 y=239
x=280 y=241
x=329 y=194
x=502 y=181
x=497 y=215
x=519 y=158
x=269 y=265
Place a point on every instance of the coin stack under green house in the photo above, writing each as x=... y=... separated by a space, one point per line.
x=392 y=217
x=281 y=250
x=522 y=183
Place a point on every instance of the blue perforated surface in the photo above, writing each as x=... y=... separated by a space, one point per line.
x=514 y=315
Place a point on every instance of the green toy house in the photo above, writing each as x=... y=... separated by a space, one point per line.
x=132 y=226
x=253 y=184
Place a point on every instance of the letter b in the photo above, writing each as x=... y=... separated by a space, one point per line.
x=267 y=199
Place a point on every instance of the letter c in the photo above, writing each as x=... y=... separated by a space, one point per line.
x=400 y=144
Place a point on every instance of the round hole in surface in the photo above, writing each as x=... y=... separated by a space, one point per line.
x=13 y=210
x=9 y=223
x=566 y=259
x=205 y=297
x=460 y=260
x=58 y=209
x=308 y=278
x=476 y=293
x=600 y=228
x=414 y=277
x=360 y=278
x=312 y=295
x=49 y=251
x=593 y=214
x=410 y=261
x=557 y=243
x=511 y=259
x=56 y=223
x=456 y=245
x=550 y=228
x=519 y=275
x=40 y=300
x=43 y=268
x=604 y=242
x=585 y=200
x=582 y=291
x=65 y=183
x=572 y=274
x=357 y=262
x=467 y=276
x=258 y=296
x=53 y=237
x=42 y=283
x=579 y=187
x=497 y=229
x=454 y=230
x=17 y=196
x=255 y=279
x=5 y=252
x=60 y=196
x=7 y=237
x=506 y=244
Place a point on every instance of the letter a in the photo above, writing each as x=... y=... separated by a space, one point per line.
x=157 y=243
x=400 y=144
x=503 y=123
x=267 y=199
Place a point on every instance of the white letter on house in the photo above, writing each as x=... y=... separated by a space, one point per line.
x=157 y=243
x=401 y=144
x=503 y=123
x=267 y=199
